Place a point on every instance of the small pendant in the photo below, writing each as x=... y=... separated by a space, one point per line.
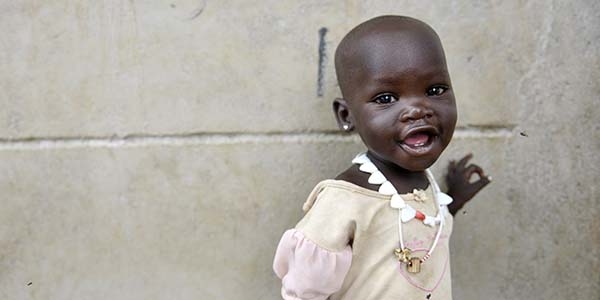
x=414 y=265
x=402 y=254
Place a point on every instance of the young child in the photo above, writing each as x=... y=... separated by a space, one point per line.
x=380 y=230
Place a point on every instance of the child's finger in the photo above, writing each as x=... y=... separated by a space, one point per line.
x=452 y=165
x=463 y=161
x=480 y=184
x=472 y=169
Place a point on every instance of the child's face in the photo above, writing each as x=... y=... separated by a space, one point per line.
x=400 y=99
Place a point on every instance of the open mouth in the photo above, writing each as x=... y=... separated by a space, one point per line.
x=419 y=141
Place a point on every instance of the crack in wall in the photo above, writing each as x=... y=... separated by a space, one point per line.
x=139 y=140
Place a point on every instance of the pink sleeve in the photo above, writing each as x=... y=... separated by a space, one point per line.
x=308 y=271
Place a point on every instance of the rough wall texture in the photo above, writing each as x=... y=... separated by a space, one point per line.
x=158 y=149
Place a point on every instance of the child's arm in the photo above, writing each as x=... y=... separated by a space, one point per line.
x=460 y=187
x=307 y=271
x=313 y=259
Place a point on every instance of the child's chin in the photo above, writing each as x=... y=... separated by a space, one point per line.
x=418 y=151
x=421 y=157
x=415 y=165
x=421 y=162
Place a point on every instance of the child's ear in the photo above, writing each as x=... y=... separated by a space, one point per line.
x=343 y=114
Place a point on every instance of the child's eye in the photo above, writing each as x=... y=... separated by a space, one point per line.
x=436 y=90
x=385 y=99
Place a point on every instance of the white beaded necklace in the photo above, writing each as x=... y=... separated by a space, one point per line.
x=405 y=211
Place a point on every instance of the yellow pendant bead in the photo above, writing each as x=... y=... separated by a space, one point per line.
x=414 y=265
x=402 y=254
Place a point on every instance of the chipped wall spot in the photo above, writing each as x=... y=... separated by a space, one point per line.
x=198 y=11
x=322 y=60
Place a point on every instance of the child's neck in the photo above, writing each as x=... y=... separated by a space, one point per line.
x=403 y=180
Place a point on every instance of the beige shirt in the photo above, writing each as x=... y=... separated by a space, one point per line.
x=341 y=213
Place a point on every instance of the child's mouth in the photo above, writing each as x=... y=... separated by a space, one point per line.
x=419 y=142
x=418 y=139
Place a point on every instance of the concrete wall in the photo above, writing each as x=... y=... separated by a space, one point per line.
x=158 y=149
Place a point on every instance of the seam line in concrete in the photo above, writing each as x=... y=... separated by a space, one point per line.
x=215 y=139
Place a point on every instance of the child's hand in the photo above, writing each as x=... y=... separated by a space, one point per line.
x=460 y=187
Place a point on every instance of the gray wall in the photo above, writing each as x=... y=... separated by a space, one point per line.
x=158 y=149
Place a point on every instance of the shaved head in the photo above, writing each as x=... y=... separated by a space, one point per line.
x=397 y=93
x=362 y=44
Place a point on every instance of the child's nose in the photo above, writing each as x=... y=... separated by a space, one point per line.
x=415 y=112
